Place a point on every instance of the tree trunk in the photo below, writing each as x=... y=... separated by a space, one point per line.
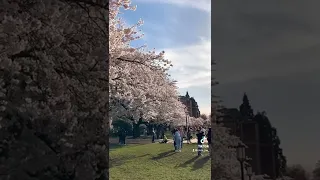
x=158 y=130
x=136 y=130
x=149 y=129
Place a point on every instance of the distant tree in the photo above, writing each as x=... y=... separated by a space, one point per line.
x=245 y=108
x=297 y=172
x=316 y=171
x=204 y=116
x=281 y=162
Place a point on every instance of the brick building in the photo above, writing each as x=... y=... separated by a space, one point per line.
x=191 y=104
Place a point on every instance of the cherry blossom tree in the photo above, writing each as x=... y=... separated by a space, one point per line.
x=54 y=89
x=140 y=88
x=196 y=121
x=224 y=162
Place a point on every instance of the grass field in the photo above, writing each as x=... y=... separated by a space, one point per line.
x=158 y=162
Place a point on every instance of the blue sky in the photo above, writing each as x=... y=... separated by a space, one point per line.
x=182 y=29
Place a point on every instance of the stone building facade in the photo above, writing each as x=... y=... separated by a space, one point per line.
x=191 y=104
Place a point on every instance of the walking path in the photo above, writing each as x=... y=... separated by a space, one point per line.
x=147 y=141
x=194 y=140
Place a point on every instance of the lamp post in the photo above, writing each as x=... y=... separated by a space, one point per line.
x=241 y=156
x=249 y=172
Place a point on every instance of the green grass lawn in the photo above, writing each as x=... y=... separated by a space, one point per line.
x=158 y=162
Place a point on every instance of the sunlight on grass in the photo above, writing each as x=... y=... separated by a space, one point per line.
x=158 y=162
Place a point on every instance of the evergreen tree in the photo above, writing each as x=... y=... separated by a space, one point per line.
x=281 y=162
x=245 y=108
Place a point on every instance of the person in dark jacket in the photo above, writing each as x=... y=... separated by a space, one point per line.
x=209 y=140
x=124 y=135
x=174 y=142
x=120 y=136
x=189 y=136
x=200 y=137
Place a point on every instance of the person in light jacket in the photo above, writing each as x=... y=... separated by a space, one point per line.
x=177 y=140
x=153 y=135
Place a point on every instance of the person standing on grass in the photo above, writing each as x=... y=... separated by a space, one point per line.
x=209 y=141
x=153 y=135
x=174 y=142
x=124 y=135
x=189 y=136
x=200 y=137
x=177 y=139
x=120 y=136
x=181 y=134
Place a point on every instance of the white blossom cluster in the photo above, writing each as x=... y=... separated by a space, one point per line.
x=192 y=121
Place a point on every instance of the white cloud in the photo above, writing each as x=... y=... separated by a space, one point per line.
x=191 y=64
x=204 y=5
x=192 y=69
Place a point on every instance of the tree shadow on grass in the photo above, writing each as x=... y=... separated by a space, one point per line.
x=163 y=155
x=118 y=146
x=120 y=161
x=185 y=164
x=115 y=146
x=200 y=163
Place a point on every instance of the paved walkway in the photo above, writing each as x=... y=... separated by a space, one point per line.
x=194 y=140
x=146 y=141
